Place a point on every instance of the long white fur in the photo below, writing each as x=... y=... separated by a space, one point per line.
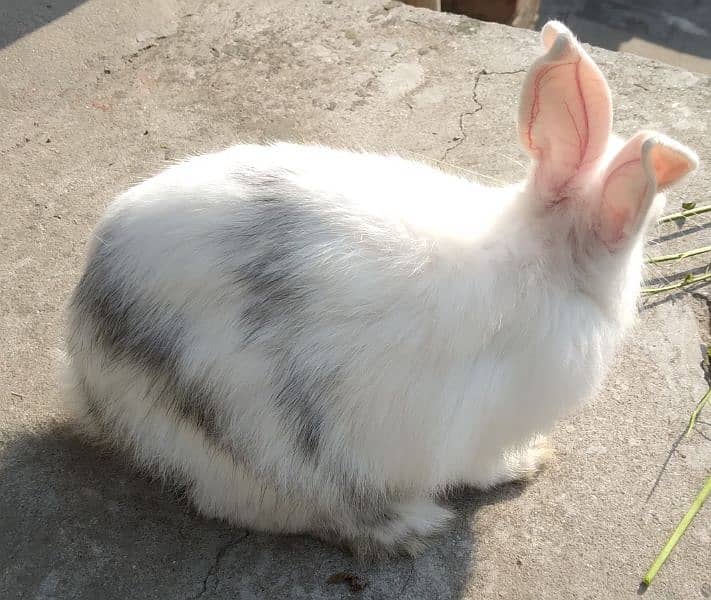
x=462 y=322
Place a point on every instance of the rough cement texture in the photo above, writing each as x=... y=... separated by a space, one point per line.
x=100 y=94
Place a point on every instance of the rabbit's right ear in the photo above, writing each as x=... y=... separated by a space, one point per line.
x=565 y=114
x=646 y=164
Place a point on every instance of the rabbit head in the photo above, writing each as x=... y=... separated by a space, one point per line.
x=587 y=187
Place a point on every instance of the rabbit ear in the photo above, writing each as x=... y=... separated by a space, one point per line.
x=565 y=114
x=648 y=163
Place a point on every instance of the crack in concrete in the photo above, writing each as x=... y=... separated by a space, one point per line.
x=407 y=581
x=705 y=300
x=214 y=567
x=459 y=140
x=663 y=468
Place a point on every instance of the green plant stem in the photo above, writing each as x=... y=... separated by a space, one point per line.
x=697 y=410
x=690 y=280
x=679 y=256
x=678 y=532
x=686 y=213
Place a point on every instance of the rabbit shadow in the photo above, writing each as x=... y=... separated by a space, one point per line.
x=683 y=229
x=611 y=23
x=650 y=301
x=77 y=522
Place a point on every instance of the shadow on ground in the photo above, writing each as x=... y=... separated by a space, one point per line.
x=683 y=25
x=20 y=17
x=117 y=534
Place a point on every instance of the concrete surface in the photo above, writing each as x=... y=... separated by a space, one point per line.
x=678 y=33
x=109 y=91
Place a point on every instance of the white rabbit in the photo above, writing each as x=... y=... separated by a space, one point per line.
x=316 y=340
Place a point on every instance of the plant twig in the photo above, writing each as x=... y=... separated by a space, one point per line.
x=679 y=255
x=695 y=413
x=688 y=280
x=686 y=213
x=678 y=532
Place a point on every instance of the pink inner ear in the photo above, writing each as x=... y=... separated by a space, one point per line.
x=565 y=115
x=623 y=196
x=669 y=164
x=648 y=162
x=626 y=193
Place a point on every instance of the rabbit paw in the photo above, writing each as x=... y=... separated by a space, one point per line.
x=403 y=528
x=517 y=464
x=524 y=463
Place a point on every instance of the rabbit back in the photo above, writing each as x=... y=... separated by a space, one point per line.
x=275 y=313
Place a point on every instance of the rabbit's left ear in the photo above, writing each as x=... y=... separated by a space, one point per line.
x=647 y=163
x=565 y=114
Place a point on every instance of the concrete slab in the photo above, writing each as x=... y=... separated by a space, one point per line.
x=110 y=91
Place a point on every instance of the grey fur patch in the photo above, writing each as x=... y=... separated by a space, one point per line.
x=266 y=182
x=301 y=399
x=368 y=502
x=276 y=293
x=127 y=325
x=275 y=296
x=193 y=402
x=126 y=321
x=275 y=289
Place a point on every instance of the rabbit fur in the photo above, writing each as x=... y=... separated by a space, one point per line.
x=318 y=340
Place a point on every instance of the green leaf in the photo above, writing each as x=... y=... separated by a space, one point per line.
x=688 y=205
